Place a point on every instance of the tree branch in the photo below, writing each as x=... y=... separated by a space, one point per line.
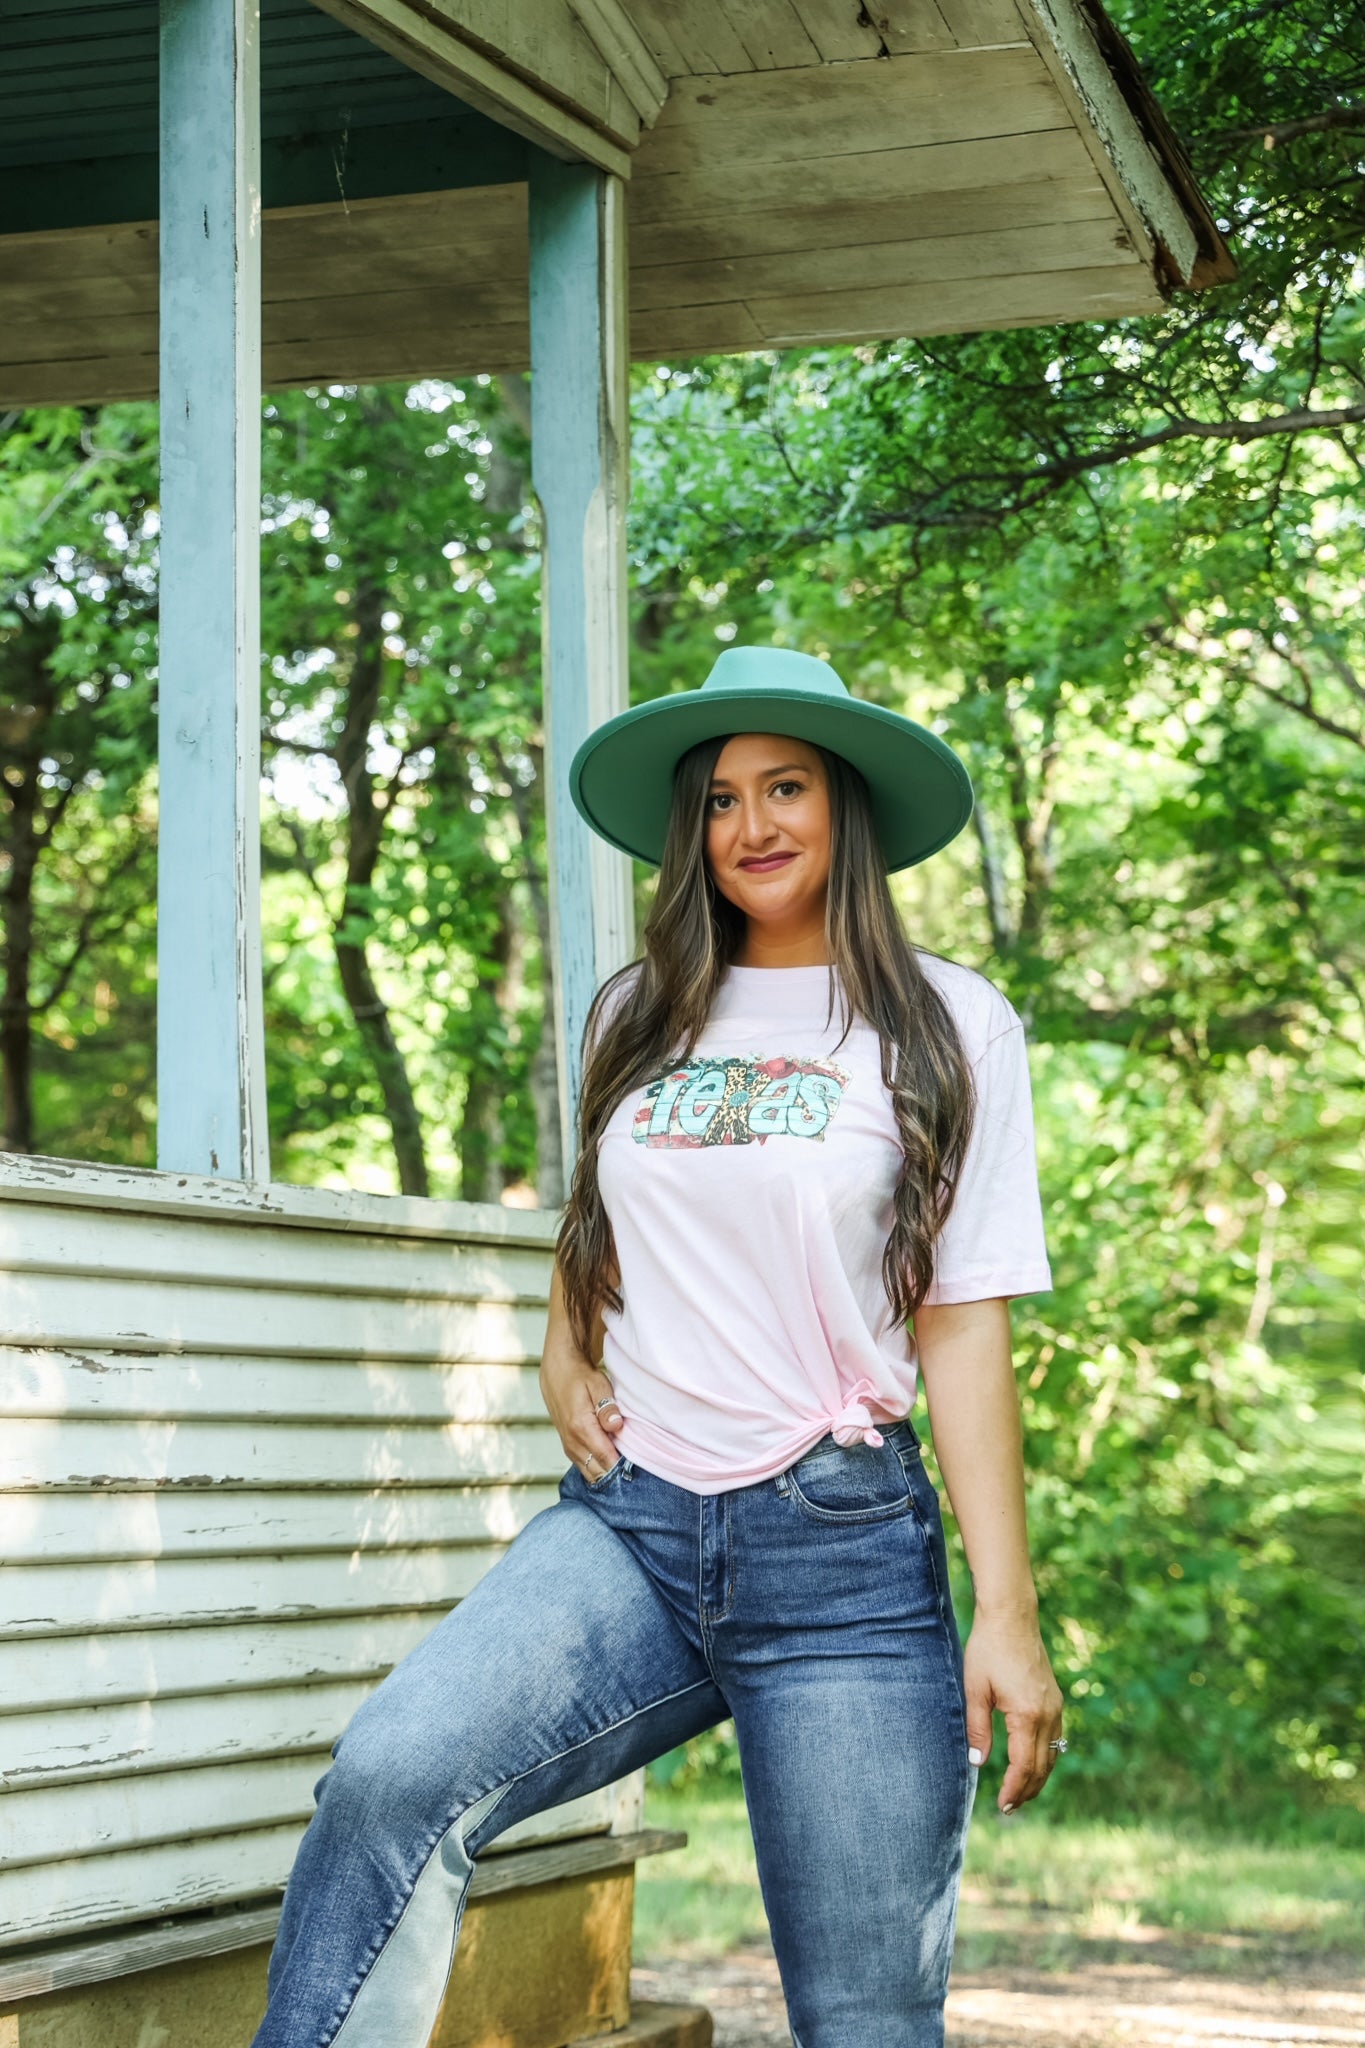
x=1031 y=486
x=1272 y=133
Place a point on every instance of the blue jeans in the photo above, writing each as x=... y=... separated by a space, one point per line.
x=630 y=1614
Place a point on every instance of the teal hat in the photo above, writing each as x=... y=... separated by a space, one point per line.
x=621 y=778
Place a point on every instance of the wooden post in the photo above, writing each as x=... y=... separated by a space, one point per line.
x=579 y=422
x=210 y=1057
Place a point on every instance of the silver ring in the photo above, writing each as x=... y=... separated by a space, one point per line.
x=1058 y=1743
x=606 y=1401
x=592 y=1458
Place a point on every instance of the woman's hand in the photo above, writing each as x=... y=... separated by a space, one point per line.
x=571 y=1388
x=1008 y=1668
x=571 y=1391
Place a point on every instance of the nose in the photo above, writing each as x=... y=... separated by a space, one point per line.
x=755 y=824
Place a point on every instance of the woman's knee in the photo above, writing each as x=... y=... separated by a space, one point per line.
x=381 y=1779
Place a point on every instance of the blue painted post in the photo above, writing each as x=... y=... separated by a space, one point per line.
x=210 y=1056
x=579 y=431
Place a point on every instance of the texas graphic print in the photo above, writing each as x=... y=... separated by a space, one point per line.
x=737 y=1099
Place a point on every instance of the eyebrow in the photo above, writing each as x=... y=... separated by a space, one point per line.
x=782 y=768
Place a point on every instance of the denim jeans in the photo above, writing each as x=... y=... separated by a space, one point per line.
x=812 y=1607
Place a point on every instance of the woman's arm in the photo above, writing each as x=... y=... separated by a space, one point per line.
x=968 y=1372
x=571 y=1386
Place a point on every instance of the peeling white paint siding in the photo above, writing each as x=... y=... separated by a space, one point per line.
x=254 y=1442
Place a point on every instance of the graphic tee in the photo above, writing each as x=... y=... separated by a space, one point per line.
x=750 y=1189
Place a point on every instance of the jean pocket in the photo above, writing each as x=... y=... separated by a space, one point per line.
x=594 y=1485
x=855 y=1482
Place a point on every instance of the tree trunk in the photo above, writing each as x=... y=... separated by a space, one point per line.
x=372 y=1021
x=482 y=1175
x=16 y=914
x=365 y=831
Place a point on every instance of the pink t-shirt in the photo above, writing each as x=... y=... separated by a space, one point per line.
x=750 y=1196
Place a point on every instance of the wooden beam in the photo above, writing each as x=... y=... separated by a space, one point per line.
x=625 y=50
x=579 y=414
x=431 y=39
x=211 y=1104
x=1141 y=184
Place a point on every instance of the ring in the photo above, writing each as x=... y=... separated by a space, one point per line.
x=1058 y=1743
x=605 y=1402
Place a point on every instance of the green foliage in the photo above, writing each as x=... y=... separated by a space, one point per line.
x=402 y=712
x=77 y=723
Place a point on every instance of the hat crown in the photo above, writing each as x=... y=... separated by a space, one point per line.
x=747 y=669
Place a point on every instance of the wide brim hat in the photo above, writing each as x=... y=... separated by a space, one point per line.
x=621 y=778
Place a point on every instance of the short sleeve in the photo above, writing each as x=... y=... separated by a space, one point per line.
x=993 y=1242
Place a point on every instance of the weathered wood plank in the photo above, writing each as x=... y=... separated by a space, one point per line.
x=45 y=1901
x=67 y=1528
x=840 y=29
x=694 y=330
x=228 y=1454
x=787 y=231
x=211 y=1105
x=125 y=1190
x=1077 y=244
x=158 y=1795
x=48 y=1237
x=456 y=51
x=654 y=19
x=845 y=109
x=194 y=1317
x=579 y=432
x=984 y=24
x=1123 y=155
x=51 y=1672
x=95 y=1961
x=175 y=1593
x=773 y=34
x=81 y=1794
x=983 y=302
x=627 y=54
x=95 y=1385
x=912 y=26
x=704 y=35
x=907 y=171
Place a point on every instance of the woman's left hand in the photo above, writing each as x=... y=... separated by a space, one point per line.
x=1008 y=1668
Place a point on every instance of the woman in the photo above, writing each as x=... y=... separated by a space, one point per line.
x=796 y=1132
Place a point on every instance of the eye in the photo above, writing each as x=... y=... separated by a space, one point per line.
x=718 y=798
x=790 y=784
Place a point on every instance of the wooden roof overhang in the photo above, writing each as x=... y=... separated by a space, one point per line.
x=798 y=172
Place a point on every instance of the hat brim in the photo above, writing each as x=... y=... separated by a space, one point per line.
x=621 y=778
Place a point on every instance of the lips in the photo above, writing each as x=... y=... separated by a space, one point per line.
x=765 y=866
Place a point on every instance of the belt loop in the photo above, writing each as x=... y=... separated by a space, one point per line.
x=627 y=1468
x=780 y=1482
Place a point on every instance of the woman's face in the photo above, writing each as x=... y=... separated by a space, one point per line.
x=767 y=831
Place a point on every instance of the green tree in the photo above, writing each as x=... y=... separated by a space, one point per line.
x=77 y=873
x=402 y=633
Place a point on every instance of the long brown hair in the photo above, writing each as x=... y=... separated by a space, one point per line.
x=691 y=936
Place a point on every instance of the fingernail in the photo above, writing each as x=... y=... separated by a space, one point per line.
x=1009 y=1808
x=973 y=1756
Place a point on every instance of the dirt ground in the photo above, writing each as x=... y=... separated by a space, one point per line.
x=1153 y=1995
